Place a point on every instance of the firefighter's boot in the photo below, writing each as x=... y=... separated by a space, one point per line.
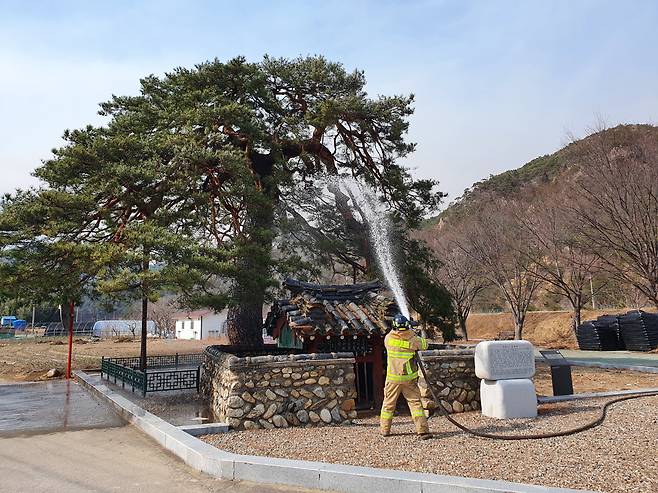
x=385 y=426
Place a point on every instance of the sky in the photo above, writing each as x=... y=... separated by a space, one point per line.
x=497 y=83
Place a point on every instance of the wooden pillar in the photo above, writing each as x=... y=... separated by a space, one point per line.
x=378 y=369
x=311 y=346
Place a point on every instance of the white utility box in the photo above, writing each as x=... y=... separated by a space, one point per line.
x=506 y=399
x=502 y=360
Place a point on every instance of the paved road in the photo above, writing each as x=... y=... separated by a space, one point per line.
x=103 y=460
x=46 y=407
x=55 y=437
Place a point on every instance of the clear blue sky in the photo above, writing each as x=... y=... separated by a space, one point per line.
x=497 y=82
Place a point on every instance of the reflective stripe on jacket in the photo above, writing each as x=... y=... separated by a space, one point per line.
x=401 y=345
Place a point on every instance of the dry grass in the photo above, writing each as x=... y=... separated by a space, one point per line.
x=619 y=456
x=546 y=329
x=29 y=359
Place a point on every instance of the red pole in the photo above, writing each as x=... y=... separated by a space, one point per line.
x=68 y=364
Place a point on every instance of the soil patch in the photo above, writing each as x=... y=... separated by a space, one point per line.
x=29 y=359
x=542 y=328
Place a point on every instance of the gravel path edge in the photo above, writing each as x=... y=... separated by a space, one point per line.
x=316 y=475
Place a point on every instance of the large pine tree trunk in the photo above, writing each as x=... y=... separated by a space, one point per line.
x=245 y=318
x=65 y=316
x=245 y=322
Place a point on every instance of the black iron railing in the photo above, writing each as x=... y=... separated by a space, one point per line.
x=165 y=372
x=126 y=375
x=161 y=380
x=162 y=361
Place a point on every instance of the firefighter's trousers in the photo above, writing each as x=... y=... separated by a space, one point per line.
x=411 y=393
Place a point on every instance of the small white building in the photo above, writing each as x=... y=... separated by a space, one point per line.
x=201 y=324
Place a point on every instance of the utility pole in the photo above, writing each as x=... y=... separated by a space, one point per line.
x=145 y=314
x=591 y=289
x=68 y=363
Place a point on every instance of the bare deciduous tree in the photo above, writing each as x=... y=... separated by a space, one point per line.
x=457 y=273
x=496 y=241
x=557 y=249
x=162 y=313
x=616 y=200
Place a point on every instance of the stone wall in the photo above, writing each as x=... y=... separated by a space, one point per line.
x=452 y=373
x=279 y=391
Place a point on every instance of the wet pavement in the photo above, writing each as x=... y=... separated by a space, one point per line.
x=178 y=407
x=56 y=438
x=47 y=407
x=105 y=460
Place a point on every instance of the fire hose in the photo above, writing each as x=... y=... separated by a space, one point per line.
x=572 y=431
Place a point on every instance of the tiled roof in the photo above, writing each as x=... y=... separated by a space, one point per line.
x=191 y=314
x=332 y=310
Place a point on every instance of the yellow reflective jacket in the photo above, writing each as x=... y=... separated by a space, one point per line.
x=401 y=345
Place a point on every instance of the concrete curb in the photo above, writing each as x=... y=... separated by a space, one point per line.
x=540 y=360
x=613 y=366
x=195 y=453
x=305 y=474
x=595 y=395
x=204 y=429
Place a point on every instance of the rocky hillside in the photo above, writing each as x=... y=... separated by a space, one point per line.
x=539 y=172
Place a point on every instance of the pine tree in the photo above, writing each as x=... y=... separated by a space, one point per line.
x=202 y=163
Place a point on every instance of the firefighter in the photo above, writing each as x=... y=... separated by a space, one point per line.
x=402 y=376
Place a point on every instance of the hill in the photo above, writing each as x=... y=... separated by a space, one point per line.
x=538 y=172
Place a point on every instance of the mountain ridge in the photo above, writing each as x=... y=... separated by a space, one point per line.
x=535 y=173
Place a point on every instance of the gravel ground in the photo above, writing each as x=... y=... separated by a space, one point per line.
x=589 y=379
x=619 y=456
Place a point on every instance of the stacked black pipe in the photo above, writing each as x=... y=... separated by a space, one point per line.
x=639 y=330
x=601 y=334
x=635 y=331
x=611 y=322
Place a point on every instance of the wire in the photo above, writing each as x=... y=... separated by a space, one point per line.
x=539 y=436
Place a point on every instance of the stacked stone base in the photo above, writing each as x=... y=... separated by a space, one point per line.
x=452 y=376
x=307 y=390
x=280 y=391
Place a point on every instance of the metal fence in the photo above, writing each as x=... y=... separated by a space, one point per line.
x=163 y=360
x=162 y=380
x=159 y=374
x=126 y=375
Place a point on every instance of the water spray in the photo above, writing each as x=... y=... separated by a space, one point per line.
x=379 y=229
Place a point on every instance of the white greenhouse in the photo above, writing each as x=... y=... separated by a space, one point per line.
x=113 y=328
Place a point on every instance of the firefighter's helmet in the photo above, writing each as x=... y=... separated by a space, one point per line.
x=400 y=322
